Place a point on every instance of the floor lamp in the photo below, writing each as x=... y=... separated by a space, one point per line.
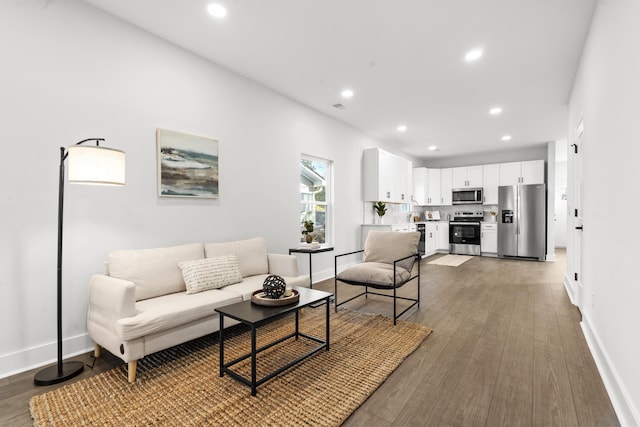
x=88 y=164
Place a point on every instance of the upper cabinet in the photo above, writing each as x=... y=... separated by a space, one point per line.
x=446 y=185
x=387 y=177
x=432 y=187
x=490 y=184
x=469 y=176
x=420 y=186
x=529 y=172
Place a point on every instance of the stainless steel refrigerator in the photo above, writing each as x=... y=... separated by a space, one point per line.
x=522 y=221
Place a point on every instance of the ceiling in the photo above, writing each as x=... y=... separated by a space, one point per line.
x=404 y=59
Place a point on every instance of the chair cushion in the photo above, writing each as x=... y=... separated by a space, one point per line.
x=252 y=254
x=375 y=273
x=388 y=246
x=210 y=273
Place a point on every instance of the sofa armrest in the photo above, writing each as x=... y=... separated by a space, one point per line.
x=283 y=265
x=110 y=299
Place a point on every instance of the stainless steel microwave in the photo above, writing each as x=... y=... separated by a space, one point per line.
x=466 y=196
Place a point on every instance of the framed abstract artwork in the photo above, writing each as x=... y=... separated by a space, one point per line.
x=187 y=165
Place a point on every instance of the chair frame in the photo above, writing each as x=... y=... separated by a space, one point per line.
x=366 y=285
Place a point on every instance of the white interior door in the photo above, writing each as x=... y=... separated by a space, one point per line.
x=576 y=213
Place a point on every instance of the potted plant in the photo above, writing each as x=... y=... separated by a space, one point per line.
x=381 y=209
x=308 y=229
x=493 y=214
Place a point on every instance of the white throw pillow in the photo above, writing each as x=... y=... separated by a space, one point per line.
x=210 y=273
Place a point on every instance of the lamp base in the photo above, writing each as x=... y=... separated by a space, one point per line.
x=50 y=375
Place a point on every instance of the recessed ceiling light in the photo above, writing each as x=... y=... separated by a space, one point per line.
x=433 y=148
x=402 y=128
x=495 y=111
x=473 y=55
x=217 y=10
x=347 y=93
x=506 y=138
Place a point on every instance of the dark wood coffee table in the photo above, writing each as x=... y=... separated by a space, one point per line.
x=254 y=315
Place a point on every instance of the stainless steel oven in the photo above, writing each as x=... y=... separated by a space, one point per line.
x=464 y=233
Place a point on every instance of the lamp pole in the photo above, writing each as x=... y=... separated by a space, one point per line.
x=62 y=371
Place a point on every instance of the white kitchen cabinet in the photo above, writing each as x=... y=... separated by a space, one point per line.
x=446 y=185
x=434 y=197
x=407 y=182
x=467 y=177
x=490 y=183
x=386 y=177
x=442 y=236
x=430 y=238
x=427 y=186
x=489 y=238
x=436 y=237
x=529 y=172
x=532 y=172
x=420 y=186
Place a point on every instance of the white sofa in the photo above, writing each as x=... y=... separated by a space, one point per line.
x=141 y=304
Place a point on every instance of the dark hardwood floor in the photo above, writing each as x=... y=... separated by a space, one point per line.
x=507 y=350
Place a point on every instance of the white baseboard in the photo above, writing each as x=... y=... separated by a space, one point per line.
x=623 y=405
x=42 y=355
x=319 y=276
x=569 y=287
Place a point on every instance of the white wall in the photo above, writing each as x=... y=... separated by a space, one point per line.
x=71 y=72
x=606 y=94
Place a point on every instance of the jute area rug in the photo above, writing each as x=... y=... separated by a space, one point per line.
x=181 y=385
x=451 y=260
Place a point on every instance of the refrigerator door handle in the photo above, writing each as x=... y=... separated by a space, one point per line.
x=518 y=209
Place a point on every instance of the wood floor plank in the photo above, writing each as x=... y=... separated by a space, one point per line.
x=590 y=397
x=511 y=402
x=471 y=399
x=553 y=402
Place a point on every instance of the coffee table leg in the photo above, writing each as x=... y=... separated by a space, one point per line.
x=326 y=304
x=253 y=360
x=221 y=344
x=297 y=323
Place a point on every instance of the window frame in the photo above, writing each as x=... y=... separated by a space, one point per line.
x=327 y=203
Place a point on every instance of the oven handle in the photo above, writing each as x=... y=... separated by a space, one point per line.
x=463 y=223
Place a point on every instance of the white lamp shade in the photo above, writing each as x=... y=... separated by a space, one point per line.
x=96 y=165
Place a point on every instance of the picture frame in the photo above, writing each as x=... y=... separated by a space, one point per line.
x=187 y=165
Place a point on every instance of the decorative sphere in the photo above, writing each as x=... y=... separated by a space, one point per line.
x=274 y=286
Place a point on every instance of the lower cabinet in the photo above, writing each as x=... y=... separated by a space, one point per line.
x=430 y=239
x=489 y=238
x=442 y=236
x=437 y=237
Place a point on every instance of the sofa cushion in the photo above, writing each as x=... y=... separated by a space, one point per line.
x=252 y=254
x=155 y=272
x=168 y=311
x=210 y=273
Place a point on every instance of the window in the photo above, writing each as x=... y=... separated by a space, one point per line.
x=315 y=197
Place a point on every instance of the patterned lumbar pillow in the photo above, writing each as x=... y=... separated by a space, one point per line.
x=210 y=273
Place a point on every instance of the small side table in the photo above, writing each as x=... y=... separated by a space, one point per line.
x=310 y=252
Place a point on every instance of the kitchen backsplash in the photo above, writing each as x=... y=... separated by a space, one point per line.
x=401 y=213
